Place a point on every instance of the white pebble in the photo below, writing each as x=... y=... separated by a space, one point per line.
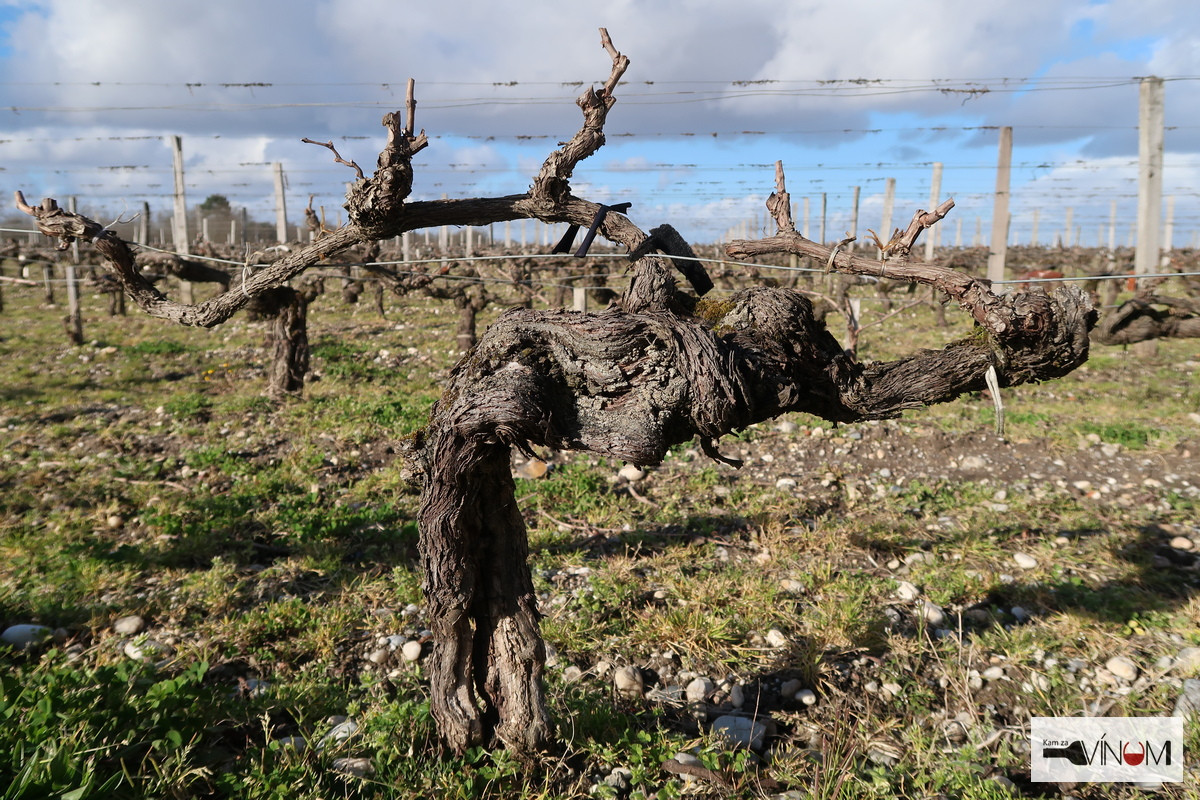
x=628 y=681
x=1182 y=543
x=786 y=484
x=806 y=696
x=411 y=651
x=699 y=690
x=932 y=614
x=631 y=473
x=1188 y=660
x=129 y=626
x=25 y=636
x=776 y=638
x=992 y=673
x=148 y=650
x=1025 y=561
x=907 y=591
x=1122 y=667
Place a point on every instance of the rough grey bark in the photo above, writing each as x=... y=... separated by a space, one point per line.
x=288 y=311
x=1142 y=319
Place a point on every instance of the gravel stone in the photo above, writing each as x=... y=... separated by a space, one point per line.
x=628 y=681
x=1182 y=543
x=148 y=650
x=353 y=767
x=907 y=591
x=699 y=690
x=411 y=650
x=23 y=637
x=631 y=473
x=790 y=687
x=1025 y=561
x=806 y=696
x=1188 y=660
x=933 y=615
x=1122 y=667
x=129 y=626
x=776 y=638
x=740 y=731
x=1188 y=703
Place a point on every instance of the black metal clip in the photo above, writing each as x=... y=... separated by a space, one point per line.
x=568 y=238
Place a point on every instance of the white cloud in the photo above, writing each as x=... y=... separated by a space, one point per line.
x=336 y=66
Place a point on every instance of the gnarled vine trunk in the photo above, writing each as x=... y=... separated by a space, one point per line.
x=630 y=382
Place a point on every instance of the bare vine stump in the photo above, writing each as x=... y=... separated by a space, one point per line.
x=288 y=311
x=1143 y=319
x=655 y=370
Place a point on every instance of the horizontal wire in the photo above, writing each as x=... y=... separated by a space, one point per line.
x=699 y=259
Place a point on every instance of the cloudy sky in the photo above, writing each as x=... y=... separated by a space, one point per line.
x=846 y=94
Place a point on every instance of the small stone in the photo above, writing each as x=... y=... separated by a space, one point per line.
x=1040 y=682
x=785 y=426
x=628 y=681
x=1187 y=705
x=688 y=759
x=353 y=767
x=776 y=638
x=339 y=733
x=1182 y=543
x=114 y=521
x=791 y=586
x=737 y=696
x=933 y=614
x=740 y=731
x=620 y=779
x=972 y=463
x=631 y=473
x=992 y=673
x=411 y=651
x=790 y=687
x=907 y=591
x=891 y=689
x=148 y=650
x=806 y=696
x=1020 y=613
x=572 y=674
x=786 y=484
x=379 y=656
x=129 y=626
x=1122 y=667
x=298 y=743
x=919 y=557
x=24 y=637
x=699 y=690
x=1188 y=660
x=1025 y=561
